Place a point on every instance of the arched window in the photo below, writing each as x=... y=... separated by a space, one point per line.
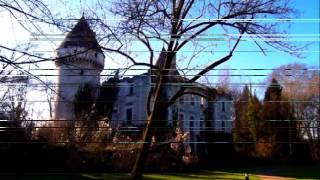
x=192 y=100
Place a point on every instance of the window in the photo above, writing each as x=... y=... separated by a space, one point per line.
x=222 y=125
x=75 y=51
x=181 y=117
x=202 y=101
x=180 y=120
x=191 y=127
x=95 y=54
x=192 y=99
x=223 y=122
x=130 y=89
x=81 y=72
x=129 y=115
x=191 y=121
x=223 y=106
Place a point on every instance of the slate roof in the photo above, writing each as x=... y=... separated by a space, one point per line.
x=82 y=36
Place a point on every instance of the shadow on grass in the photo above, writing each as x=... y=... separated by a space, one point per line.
x=205 y=175
x=202 y=175
x=299 y=172
x=290 y=171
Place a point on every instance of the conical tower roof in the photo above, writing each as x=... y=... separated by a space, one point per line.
x=82 y=36
x=161 y=61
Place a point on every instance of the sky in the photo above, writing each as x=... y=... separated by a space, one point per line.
x=305 y=29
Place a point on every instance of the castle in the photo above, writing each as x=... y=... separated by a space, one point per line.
x=85 y=64
x=79 y=60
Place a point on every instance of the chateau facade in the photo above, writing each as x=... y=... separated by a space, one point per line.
x=190 y=110
x=80 y=60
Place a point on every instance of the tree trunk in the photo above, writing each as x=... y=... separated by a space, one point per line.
x=156 y=123
x=155 y=127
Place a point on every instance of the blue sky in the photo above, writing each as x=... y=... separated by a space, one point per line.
x=302 y=31
x=241 y=60
x=299 y=30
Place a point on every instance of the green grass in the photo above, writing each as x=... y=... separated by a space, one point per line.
x=173 y=176
x=293 y=172
x=290 y=172
x=201 y=175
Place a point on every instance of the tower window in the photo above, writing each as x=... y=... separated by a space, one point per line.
x=95 y=54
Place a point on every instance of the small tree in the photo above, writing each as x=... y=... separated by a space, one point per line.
x=81 y=129
x=108 y=95
x=240 y=131
x=83 y=101
x=14 y=115
x=301 y=88
x=254 y=116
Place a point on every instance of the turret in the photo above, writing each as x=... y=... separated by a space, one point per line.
x=79 y=60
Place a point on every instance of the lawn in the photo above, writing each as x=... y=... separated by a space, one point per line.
x=289 y=172
x=174 y=176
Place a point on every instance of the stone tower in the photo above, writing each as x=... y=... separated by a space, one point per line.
x=79 y=60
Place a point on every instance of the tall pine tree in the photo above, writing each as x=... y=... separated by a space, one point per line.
x=247 y=122
x=279 y=125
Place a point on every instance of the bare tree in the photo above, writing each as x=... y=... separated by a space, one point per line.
x=177 y=24
x=301 y=87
